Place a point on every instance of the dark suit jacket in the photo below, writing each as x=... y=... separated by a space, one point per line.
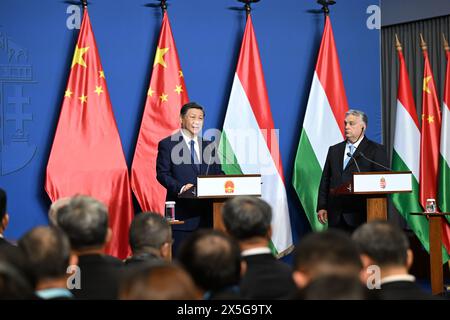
x=174 y=172
x=403 y=290
x=4 y=242
x=266 y=278
x=352 y=208
x=99 y=277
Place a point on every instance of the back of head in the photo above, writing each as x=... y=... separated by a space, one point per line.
x=2 y=203
x=149 y=231
x=335 y=287
x=55 y=207
x=159 y=282
x=212 y=259
x=247 y=217
x=17 y=280
x=327 y=252
x=384 y=243
x=85 y=221
x=48 y=252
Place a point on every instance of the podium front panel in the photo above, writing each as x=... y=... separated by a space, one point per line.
x=384 y=182
x=228 y=186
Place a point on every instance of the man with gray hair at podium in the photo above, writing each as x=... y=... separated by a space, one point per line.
x=355 y=154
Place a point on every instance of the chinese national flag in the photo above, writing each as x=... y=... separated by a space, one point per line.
x=87 y=156
x=430 y=143
x=166 y=95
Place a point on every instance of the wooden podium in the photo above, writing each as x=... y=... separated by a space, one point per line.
x=435 y=240
x=376 y=185
x=219 y=188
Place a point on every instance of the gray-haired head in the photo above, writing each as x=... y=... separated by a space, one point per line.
x=358 y=113
x=247 y=217
x=85 y=221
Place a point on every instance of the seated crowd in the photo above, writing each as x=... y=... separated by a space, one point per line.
x=66 y=259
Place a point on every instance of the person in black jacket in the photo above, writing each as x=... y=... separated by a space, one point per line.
x=182 y=157
x=49 y=255
x=248 y=219
x=4 y=218
x=385 y=248
x=355 y=154
x=150 y=239
x=85 y=222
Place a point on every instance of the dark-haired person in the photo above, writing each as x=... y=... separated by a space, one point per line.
x=248 y=219
x=387 y=247
x=49 y=256
x=85 y=221
x=347 y=212
x=331 y=252
x=4 y=218
x=213 y=260
x=182 y=157
x=150 y=239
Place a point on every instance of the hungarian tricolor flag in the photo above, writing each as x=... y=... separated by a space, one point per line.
x=430 y=143
x=323 y=125
x=165 y=96
x=86 y=155
x=249 y=141
x=444 y=176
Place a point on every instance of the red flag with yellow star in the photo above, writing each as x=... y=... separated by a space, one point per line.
x=87 y=156
x=430 y=143
x=166 y=95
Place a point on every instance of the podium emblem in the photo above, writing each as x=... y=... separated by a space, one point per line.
x=382 y=183
x=229 y=186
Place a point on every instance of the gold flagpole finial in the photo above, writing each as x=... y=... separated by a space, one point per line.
x=398 y=45
x=446 y=46
x=423 y=44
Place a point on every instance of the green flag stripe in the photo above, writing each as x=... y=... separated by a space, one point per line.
x=407 y=203
x=444 y=186
x=306 y=180
x=228 y=159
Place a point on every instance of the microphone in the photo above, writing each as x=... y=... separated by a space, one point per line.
x=374 y=162
x=351 y=156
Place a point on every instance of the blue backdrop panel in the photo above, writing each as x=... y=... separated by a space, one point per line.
x=37 y=41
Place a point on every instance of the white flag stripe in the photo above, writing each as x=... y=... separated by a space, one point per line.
x=319 y=123
x=407 y=145
x=445 y=130
x=240 y=116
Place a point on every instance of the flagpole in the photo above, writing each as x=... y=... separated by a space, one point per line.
x=247 y=5
x=163 y=5
x=325 y=6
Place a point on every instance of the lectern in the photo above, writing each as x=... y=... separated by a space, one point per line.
x=219 y=188
x=376 y=185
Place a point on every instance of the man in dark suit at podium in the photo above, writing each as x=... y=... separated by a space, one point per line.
x=355 y=154
x=181 y=158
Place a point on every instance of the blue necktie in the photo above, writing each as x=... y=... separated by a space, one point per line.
x=347 y=159
x=194 y=159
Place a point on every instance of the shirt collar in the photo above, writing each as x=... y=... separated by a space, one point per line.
x=254 y=251
x=355 y=145
x=188 y=138
x=54 y=293
x=398 y=277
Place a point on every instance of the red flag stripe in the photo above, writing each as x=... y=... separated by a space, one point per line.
x=251 y=75
x=405 y=95
x=329 y=73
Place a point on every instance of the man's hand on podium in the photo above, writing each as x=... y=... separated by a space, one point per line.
x=186 y=187
x=322 y=215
